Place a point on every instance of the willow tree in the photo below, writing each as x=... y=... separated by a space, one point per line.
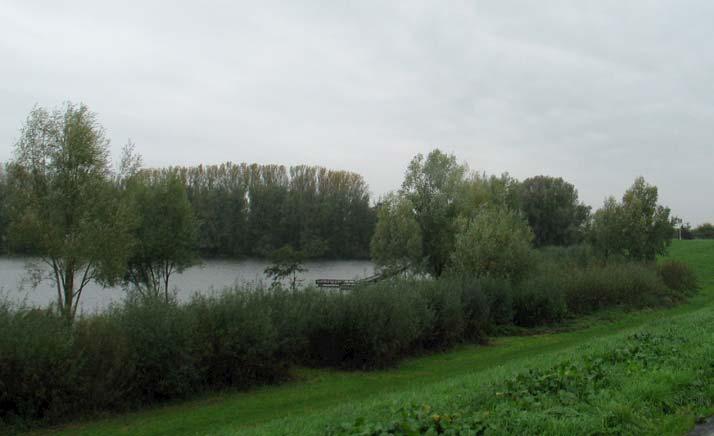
x=397 y=240
x=553 y=210
x=166 y=233
x=637 y=228
x=64 y=206
x=433 y=185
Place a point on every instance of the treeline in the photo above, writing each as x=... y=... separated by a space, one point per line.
x=702 y=231
x=446 y=218
x=252 y=210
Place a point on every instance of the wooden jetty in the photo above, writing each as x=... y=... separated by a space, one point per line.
x=351 y=283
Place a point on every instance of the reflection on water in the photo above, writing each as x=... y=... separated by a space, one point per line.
x=211 y=276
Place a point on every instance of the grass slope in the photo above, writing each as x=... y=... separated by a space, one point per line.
x=447 y=381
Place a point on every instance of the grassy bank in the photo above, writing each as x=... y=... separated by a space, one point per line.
x=449 y=382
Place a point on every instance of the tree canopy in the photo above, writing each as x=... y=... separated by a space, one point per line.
x=636 y=228
x=64 y=206
x=553 y=211
x=397 y=240
x=165 y=235
x=432 y=186
x=252 y=210
x=496 y=242
x=421 y=225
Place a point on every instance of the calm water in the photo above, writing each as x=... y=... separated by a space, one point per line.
x=211 y=276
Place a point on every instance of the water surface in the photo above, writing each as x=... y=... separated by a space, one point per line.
x=210 y=276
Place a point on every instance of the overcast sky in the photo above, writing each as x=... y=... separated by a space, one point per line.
x=596 y=92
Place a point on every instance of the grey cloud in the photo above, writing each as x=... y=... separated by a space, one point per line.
x=596 y=92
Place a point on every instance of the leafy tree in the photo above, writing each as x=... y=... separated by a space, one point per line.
x=64 y=206
x=637 y=228
x=417 y=227
x=648 y=225
x=432 y=186
x=3 y=209
x=267 y=192
x=478 y=189
x=496 y=242
x=704 y=231
x=553 y=211
x=397 y=239
x=249 y=210
x=287 y=263
x=166 y=233
x=606 y=229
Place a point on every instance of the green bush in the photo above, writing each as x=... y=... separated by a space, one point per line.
x=137 y=353
x=235 y=341
x=367 y=327
x=148 y=350
x=294 y=313
x=499 y=298
x=477 y=307
x=539 y=300
x=377 y=324
x=107 y=375
x=476 y=304
x=579 y=255
x=627 y=284
x=678 y=276
x=445 y=324
x=38 y=369
x=159 y=338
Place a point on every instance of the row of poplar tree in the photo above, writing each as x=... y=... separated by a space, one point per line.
x=250 y=210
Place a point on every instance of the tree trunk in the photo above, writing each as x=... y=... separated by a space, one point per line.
x=69 y=292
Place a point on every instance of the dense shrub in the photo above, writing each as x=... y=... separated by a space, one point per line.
x=159 y=340
x=38 y=371
x=370 y=326
x=234 y=340
x=294 y=313
x=627 y=284
x=677 y=276
x=479 y=298
x=579 y=255
x=539 y=300
x=107 y=369
x=445 y=305
x=142 y=351
x=374 y=325
x=499 y=300
x=148 y=350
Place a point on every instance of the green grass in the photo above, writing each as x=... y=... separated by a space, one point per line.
x=448 y=381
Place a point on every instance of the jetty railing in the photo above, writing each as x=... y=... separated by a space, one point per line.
x=351 y=283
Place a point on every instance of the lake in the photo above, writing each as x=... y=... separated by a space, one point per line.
x=210 y=276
